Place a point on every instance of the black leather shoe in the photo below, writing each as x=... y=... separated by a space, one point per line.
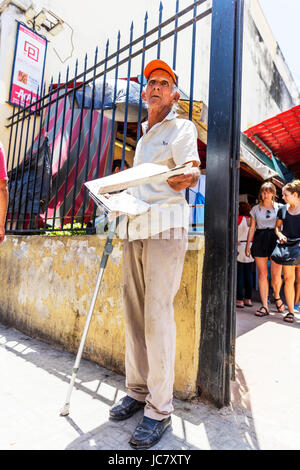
x=125 y=408
x=148 y=432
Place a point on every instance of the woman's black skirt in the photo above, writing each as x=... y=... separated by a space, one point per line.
x=264 y=243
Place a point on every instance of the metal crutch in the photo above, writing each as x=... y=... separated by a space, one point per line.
x=108 y=248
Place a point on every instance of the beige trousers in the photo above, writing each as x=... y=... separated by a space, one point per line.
x=152 y=270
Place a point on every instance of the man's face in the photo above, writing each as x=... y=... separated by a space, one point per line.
x=159 y=92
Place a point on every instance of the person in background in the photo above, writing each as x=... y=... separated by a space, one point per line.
x=117 y=165
x=244 y=263
x=3 y=193
x=262 y=228
x=288 y=227
x=297 y=289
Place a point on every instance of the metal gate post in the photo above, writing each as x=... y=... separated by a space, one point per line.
x=216 y=351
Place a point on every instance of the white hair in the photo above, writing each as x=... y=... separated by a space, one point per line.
x=175 y=105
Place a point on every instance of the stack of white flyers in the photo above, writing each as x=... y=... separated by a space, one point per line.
x=122 y=202
x=140 y=174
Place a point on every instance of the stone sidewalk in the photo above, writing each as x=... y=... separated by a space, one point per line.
x=264 y=413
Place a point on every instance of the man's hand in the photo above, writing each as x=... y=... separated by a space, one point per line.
x=187 y=179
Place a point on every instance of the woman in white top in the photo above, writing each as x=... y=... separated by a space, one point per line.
x=244 y=263
x=262 y=227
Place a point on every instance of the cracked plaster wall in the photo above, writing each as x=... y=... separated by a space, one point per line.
x=47 y=284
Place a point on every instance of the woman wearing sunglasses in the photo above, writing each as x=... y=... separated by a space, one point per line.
x=262 y=231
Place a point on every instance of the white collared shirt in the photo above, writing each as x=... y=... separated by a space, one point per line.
x=170 y=142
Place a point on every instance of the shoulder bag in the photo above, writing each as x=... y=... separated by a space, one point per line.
x=287 y=254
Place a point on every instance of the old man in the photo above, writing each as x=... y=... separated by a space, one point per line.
x=154 y=253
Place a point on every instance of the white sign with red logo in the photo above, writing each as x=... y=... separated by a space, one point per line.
x=28 y=68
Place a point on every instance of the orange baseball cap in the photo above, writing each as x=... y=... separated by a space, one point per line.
x=160 y=64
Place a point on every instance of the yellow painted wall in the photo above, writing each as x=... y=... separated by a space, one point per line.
x=47 y=285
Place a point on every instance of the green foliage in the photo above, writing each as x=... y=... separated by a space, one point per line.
x=67 y=230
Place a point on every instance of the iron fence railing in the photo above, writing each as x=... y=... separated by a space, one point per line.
x=69 y=135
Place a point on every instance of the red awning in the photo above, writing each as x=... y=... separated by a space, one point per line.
x=281 y=134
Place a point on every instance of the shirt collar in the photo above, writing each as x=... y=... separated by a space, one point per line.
x=172 y=115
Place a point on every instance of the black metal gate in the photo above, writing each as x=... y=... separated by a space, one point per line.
x=70 y=134
x=217 y=344
x=75 y=125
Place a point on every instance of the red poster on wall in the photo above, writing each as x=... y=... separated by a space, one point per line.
x=28 y=67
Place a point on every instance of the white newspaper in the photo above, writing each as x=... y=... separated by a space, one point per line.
x=122 y=202
x=135 y=176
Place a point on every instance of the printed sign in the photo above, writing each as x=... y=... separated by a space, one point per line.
x=28 y=67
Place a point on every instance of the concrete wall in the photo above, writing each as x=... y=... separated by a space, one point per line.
x=268 y=87
x=47 y=284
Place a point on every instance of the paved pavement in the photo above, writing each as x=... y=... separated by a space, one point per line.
x=264 y=413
